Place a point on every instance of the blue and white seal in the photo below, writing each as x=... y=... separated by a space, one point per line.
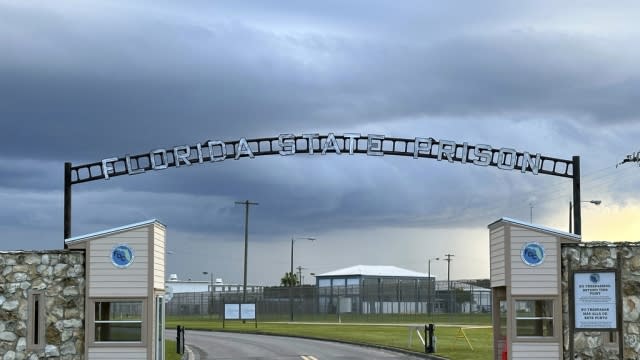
x=532 y=254
x=122 y=256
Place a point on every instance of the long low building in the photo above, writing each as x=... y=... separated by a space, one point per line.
x=375 y=289
x=178 y=286
x=378 y=289
x=201 y=297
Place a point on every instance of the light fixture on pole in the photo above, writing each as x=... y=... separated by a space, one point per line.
x=429 y=283
x=291 y=278
x=594 y=202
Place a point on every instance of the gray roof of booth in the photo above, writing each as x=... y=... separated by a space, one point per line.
x=374 y=270
x=110 y=231
x=540 y=228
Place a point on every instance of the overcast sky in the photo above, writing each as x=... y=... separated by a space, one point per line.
x=82 y=82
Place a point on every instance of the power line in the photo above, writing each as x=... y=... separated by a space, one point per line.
x=553 y=191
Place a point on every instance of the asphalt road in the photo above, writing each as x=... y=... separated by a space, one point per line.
x=217 y=345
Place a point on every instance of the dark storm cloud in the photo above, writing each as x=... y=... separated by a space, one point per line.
x=85 y=83
x=20 y=174
x=157 y=80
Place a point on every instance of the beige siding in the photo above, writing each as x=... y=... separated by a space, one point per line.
x=106 y=280
x=535 y=351
x=533 y=280
x=120 y=353
x=159 y=253
x=497 y=261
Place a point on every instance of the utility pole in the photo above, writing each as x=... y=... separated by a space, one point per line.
x=300 y=275
x=448 y=260
x=246 y=204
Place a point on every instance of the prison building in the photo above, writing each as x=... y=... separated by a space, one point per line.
x=368 y=289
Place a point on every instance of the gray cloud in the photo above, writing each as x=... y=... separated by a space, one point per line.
x=85 y=83
x=133 y=86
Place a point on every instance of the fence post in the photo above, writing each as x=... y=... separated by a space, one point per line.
x=180 y=340
x=183 y=344
x=429 y=334
x=427 y=339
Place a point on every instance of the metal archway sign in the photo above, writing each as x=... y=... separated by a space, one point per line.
x=215 y=151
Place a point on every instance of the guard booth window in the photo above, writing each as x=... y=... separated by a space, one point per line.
x=534 y=317
x=118 y=321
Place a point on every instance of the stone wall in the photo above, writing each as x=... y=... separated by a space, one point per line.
x=60 y=276
x=604 y=256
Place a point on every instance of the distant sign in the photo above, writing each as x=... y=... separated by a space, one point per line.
x=595 y=300
x=248 y=311
x=239 y=311
x=232 y=311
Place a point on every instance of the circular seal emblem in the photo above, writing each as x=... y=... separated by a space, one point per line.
x=532 y=254
x=122 y=256
x=595 y=278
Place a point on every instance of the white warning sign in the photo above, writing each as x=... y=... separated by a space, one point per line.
x=595 y=300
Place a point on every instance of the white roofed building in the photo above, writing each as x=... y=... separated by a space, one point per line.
x=379 y=289
x=374 y=270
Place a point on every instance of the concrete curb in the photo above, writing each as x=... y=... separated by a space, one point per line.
x=188 y=353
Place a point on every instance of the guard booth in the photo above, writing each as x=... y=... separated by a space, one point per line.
x=527 y=291
x=124 y=306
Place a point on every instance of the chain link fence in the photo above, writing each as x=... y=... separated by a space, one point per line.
x=392 y=300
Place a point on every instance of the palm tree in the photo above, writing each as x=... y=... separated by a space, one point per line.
x=289 y=279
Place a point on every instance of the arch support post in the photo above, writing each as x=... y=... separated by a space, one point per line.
x=67 y=202
x=577 y=215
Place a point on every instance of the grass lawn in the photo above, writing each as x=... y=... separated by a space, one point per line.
x=450 y=340
x=170 y=350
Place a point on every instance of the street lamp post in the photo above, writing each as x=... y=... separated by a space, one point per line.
x=315 y=294
x=429 y=305
x=210 y=291
x=595 y=202
x=291 y=281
